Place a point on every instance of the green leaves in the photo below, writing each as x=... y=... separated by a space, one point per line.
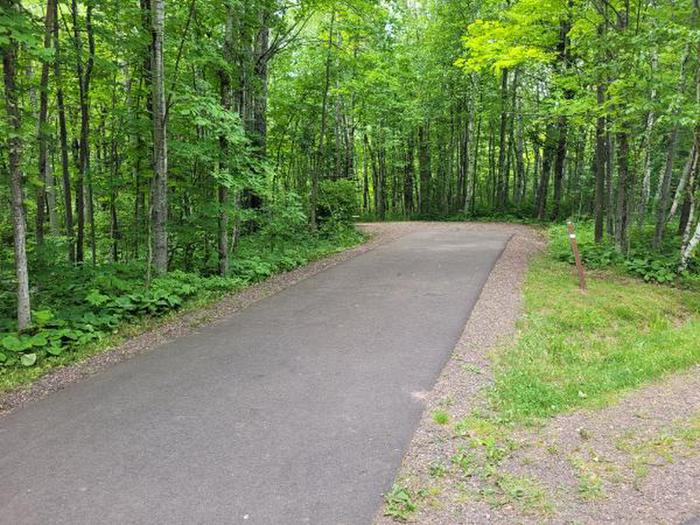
x=15 y=343
x=28 y=360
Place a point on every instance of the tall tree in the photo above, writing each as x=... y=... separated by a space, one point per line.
x=8 y=47
x=159 y=189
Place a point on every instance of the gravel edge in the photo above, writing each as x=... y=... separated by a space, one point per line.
x=468 y=371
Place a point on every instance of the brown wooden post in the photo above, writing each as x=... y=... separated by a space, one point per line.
x=577 y=256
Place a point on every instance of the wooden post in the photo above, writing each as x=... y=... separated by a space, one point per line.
x=577 y=256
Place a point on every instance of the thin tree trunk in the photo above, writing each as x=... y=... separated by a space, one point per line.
x=63 y=134
x=14 y=147
x=471 y=206
x=227 y=104
x=543 y=187
x=51 y=195
x=623 y=190
x=262 y=45
x=159 y=198
x=409 y=172
x=609 y=183
x=562 y=124
x=666 y=179
x=42 y=132
x=601 y=161
x=559 y=165
x=317 y=173
x=665 y=189
x=648 y=133
x=501 y=193
x=84 y=74
x=682 y=183
x=424 y=167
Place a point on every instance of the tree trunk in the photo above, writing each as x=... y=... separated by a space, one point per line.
x=559 y=165
x=84 y=75
x=42 y=132
x=409 y=172
x=543 y=187
x=262 y=45
x=63 y=134
x=14 y=147
x=601 y=160
x=470 y=206
x=318 y=171
x=424 y=167
x=227 y=104
x=683 y=182
x=501 y=193
x=520 y=175
x=51 y=195
x=159 y=199
x=648 y=133
x=665 y=189
x=664 y=193
x=610 y=193
x=562 y=124
x=623 y=190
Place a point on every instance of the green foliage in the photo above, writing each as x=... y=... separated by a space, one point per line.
x=284 y=219
x=337 y=202
x=400 y=503
x=657 y=267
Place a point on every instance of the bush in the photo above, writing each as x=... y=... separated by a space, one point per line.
x=337 y=202
x=283 y=219
x=656 y=267
x=110 y=302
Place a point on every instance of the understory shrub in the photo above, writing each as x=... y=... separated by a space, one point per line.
x=79 y=305
x=659 y=267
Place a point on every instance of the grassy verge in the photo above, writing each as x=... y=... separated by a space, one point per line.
x=576 y=349
x=106 y=306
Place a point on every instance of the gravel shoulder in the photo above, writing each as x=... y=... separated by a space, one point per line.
x=635 y=461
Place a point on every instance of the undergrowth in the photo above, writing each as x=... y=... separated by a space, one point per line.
x=77 y=307
x=655 y=266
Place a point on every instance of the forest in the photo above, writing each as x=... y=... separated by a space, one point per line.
x=156 y=151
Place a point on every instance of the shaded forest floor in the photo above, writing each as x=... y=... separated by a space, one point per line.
x=584 y=410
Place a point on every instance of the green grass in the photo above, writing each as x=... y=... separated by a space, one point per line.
x=575 y=349
x=441 y=417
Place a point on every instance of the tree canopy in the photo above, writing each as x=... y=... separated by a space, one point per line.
x=162 y=134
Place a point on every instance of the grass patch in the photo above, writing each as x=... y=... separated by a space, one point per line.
x=681 y=439
x=575 y=348
x=441 y=417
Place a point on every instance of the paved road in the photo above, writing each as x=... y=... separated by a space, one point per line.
x=295 y=410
